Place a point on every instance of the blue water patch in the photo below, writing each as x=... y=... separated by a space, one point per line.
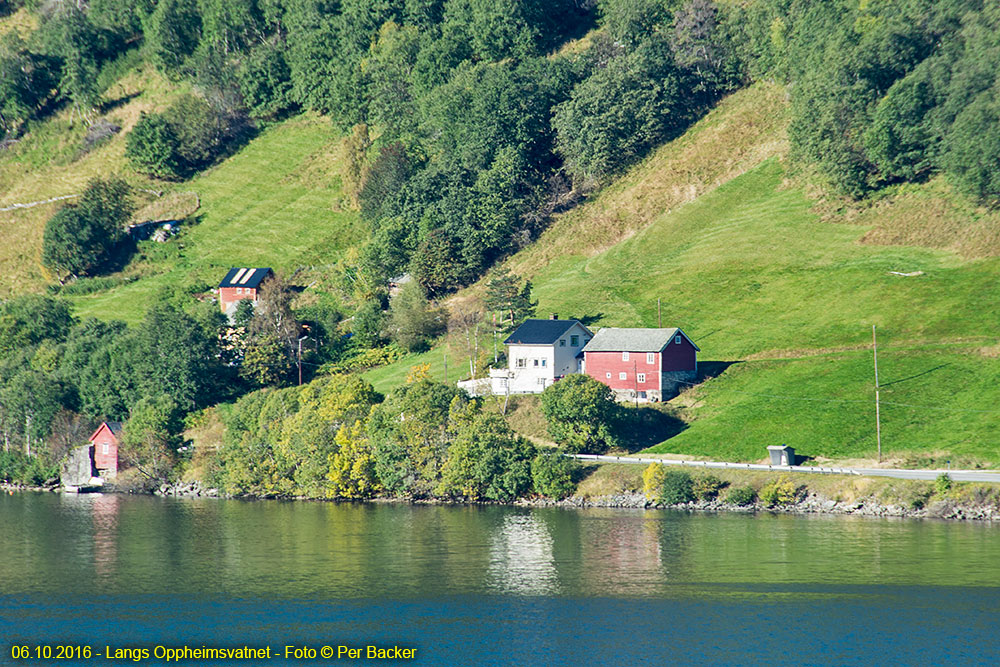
x=722 y=626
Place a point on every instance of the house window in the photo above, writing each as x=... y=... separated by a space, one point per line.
x=640 y=378
x=677 y=339
x=624 y=356
x=608 y=375
x=544 y=361
x=536 y=363
x=104 y=448
x=520 y=363
x=651 y=357
x=562 y=343
x=574 y=341
x=239 y=290
x=623 y=376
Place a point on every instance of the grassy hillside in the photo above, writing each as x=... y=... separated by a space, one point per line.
x=49 y=161
x=272 y=204
x=781 y=292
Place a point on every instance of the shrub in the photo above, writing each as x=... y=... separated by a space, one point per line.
x=779 y=492
x=741 y=496
x=652 y=480
x=708 y=487
x=581 y=414
x=552 y=474
x=942 y=485
x=678 y=487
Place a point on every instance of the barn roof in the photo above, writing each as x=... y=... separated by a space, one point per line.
x=541 y=332
x=611 y=339
x=239 y=277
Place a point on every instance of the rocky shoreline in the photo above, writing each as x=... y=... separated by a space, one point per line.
x=810 y=504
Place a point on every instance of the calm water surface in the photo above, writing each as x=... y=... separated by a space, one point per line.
x=495 y=585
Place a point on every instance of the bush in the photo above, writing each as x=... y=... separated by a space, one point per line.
x=741 y=496
x=18 y=468
x=708 y=487
x=652 y=480
x=581 y=414
x=678 y=487
x=779 y=492
x=942 y=485
x=552 y=474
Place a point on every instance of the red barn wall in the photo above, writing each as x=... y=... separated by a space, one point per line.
x=599 y=364
x=679 y=357
x=104 y=461
x=228 y=295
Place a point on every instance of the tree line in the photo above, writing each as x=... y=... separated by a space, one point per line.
x=338 y=438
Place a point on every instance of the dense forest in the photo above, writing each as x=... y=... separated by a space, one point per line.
x=468 y=124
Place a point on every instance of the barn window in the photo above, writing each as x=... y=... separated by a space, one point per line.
x=574 y=341
x=640 y=377
x=608 y=375
x=623 y=376
x=677 y=339
x=651 y=357
x=104 y=448
x=624 y=356
x=562 y=343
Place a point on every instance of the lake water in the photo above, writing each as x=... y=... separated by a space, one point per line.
x=492 y=585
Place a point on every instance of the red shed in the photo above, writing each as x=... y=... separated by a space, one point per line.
x=641 y=364
x=240 y=284
x=105 y=441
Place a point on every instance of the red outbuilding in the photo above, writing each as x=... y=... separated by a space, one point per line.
x=641 y=364
x=240 y=284
x=105 y=442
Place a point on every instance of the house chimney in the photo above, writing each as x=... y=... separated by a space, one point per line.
x=554 y=316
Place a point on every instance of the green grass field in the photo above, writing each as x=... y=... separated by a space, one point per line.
x=762 y=284
x=272 y=204
x=781 y=296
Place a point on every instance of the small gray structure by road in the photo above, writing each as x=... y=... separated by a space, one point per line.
x=898 y=473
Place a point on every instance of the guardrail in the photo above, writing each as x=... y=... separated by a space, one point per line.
x=955 y=475
x=717 y=464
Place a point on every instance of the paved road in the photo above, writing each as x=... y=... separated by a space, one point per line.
x=956 y=475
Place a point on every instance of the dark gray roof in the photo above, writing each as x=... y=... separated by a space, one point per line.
x=611 y=339
x=541 y=332
x=116 y=427
x=245 y=277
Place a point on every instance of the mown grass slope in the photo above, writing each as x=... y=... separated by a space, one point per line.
x=782 y=305
x=272 y=204
x=781 y=293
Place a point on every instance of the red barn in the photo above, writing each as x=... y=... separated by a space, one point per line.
x=641 y=364
x=105 y=442
x=240 y=284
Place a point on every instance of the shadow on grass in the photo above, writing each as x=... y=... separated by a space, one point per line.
x=111 y=105
x=913 y=377
x=647 y=425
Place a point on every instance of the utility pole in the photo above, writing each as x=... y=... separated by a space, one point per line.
x=878 y=420
x=659 y=314
x=302 y=338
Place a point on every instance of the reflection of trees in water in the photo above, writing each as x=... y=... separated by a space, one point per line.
x=521 y=559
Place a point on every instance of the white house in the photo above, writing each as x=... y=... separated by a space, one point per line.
x=539 y=352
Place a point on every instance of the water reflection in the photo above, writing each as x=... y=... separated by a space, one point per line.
x=152 y=546
x=521 y=559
